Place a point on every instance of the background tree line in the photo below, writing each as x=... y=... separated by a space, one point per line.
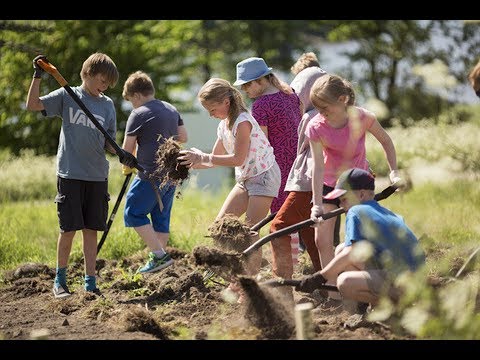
x=180 y=55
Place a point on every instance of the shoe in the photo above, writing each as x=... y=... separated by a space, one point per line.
x=61 y=292
x=95 y=291
x=155 y=264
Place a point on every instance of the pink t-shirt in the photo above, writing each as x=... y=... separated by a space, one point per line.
x=280 y=113
x=343 y=148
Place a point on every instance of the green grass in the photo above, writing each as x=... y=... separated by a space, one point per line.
x=29 y=229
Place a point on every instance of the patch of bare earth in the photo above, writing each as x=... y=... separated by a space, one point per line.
x=175 y=303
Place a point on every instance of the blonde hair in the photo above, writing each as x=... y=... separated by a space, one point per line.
x=99 y=63
x=306 y=60
x=474 y=77
x=138 y=82
x=217 y=90
x=329 y=88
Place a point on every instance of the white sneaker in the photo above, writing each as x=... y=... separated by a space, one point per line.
x=61 y=292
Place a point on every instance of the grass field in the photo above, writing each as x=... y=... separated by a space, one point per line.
x=441 y=207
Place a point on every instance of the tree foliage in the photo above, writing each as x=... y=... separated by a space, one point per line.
x=180 y=55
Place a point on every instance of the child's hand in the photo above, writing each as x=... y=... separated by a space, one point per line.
x=316 y=215
x=128 y=170
x=310 y=283
x=395 y=176
x=194 y=157
x=38 y=71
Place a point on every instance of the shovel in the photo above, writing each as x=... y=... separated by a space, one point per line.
x=385 y=193
x=289 y=282
x=235 y=261
x=52 y=70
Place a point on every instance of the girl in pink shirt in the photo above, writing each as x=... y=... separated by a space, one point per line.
x=337 y=142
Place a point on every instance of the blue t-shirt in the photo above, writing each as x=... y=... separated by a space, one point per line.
x=81 y=148
x=395 y=246
x=147 y=122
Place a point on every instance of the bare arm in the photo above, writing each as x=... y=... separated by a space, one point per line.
x=386 y=141
x=218 y=149
x=182 y=134
x=340 y=263
x=130 y=144
x=316 y=150
x=33 y=98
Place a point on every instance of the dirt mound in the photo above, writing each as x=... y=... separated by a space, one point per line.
x=230 y=234
x=175 y=303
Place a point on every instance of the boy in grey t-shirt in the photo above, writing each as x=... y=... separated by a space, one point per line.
x=82 y=167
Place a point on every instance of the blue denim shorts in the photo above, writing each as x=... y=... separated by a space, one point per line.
x=141 y=201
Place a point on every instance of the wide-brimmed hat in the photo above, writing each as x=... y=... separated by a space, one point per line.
x=251 y=69
x=352 y=179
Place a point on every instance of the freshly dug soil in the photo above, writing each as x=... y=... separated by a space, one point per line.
x=168 y=168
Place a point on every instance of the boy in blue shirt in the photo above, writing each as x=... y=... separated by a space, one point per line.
x=392 y=246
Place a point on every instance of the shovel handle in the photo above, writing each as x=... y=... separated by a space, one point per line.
x=385 y=193
x=52 y=70
x=288 y=230
x=291 y=282
x=263 y=222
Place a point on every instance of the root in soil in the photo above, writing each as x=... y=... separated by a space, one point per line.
x=169 y=169
x=230 y=234
x=271 y=317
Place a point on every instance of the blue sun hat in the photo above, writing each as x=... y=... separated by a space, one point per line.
x=251 y=69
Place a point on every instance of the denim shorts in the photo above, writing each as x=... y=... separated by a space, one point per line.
x=264 y=184
x=141 y=201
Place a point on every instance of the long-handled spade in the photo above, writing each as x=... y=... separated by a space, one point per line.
x=52 y=70
x=114 y=211
x=233 y=263
x=273 y=283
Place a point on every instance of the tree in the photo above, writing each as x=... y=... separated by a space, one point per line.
x=388 y=49
x=179 y=55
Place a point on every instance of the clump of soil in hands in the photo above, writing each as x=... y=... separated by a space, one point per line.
x=230 y=234
x=169 y=169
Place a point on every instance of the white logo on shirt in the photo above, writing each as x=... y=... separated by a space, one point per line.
x=80 y=118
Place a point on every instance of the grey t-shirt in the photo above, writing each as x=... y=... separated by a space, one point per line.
x=81 y=148
x=300 y=176
x=147 y=123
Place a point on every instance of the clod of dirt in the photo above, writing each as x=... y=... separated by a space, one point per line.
x=139 y=319
x=228 y=262
x=229 y=233
x=264 y=312
x=169 y=169
x=29 y=270
x=28 y=286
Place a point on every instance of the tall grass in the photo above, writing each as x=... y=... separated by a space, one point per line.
x=441 y=208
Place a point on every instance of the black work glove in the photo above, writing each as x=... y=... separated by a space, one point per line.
x=310 y=283
x=38 y=72
x=127 y=159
